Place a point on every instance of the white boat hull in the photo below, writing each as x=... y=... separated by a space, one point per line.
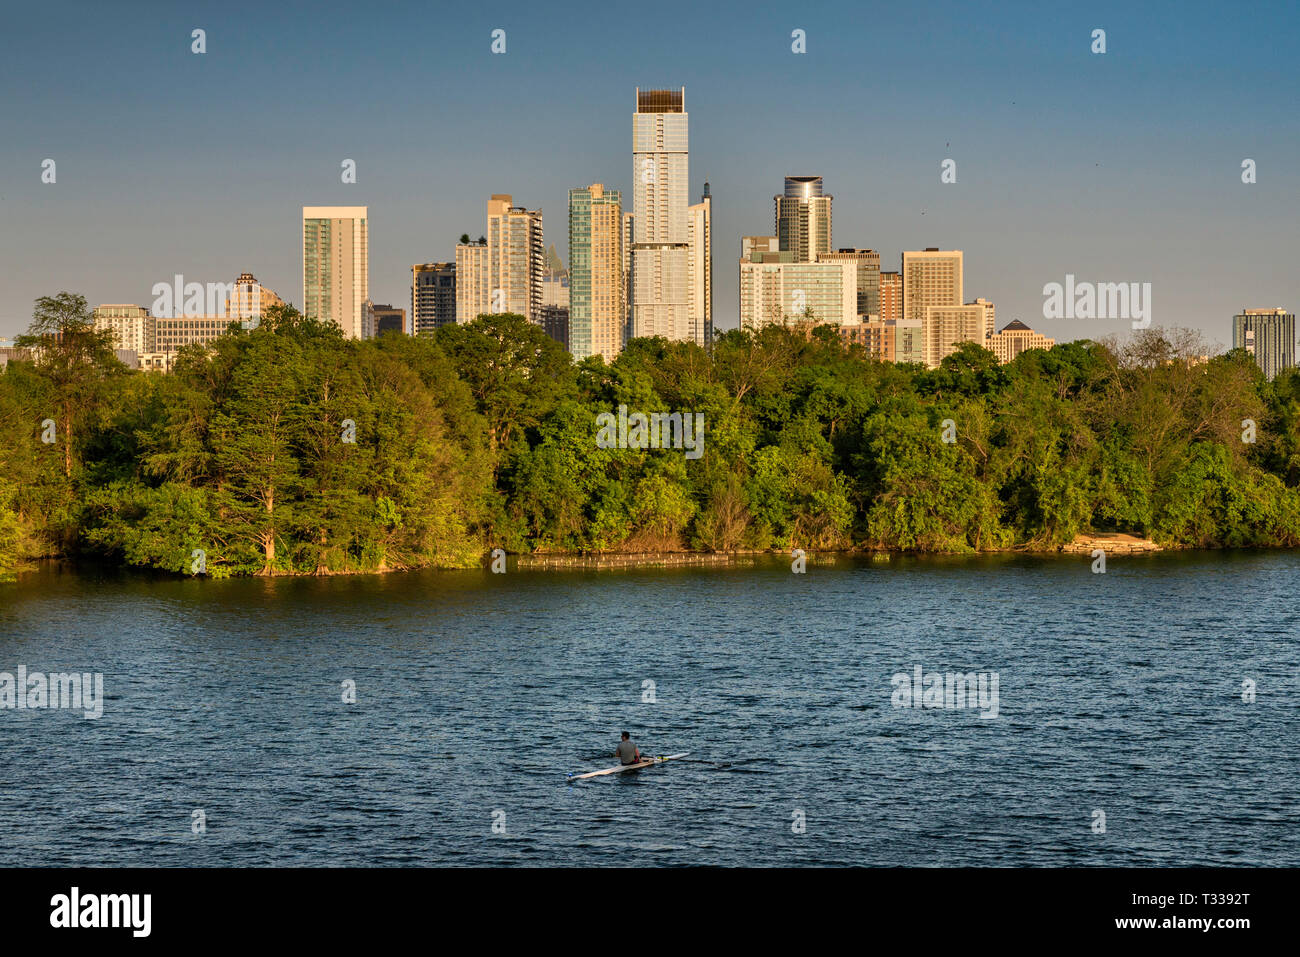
x=649 y=762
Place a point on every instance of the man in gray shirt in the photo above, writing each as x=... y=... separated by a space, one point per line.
x=627 y=752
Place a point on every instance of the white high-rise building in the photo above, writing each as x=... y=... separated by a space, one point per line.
x=701 y=269
x=336 y=265
x=661 y=233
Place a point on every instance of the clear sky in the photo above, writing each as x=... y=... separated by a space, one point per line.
x=1119 y=167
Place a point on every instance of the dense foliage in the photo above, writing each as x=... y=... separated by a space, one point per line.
x=483 y=435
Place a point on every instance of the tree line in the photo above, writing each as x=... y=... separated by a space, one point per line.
x=289 y=449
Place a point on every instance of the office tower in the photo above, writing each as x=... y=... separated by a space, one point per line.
x=701 y=269
x=472 y=296
x=660 y=227
x=433 y=296
x=990 y=318
x=336 y=265
x=389 y=318
x=596 y=292
x=891 y=296
x=868 y=265
x=1014 y=339
x=946 y=326
x=555 y=307
x=1268 y=335
x=249 y=300
x=505 y=274
x=931 y=277
x=803 y=218
x=173 y=333
x=775 y=289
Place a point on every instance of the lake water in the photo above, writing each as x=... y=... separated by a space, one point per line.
x=1119 y=693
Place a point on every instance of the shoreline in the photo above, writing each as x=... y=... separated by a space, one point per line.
x=1112 y=543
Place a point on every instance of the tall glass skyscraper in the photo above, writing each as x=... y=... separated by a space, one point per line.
x=661 y=232
x=803 y=218
x=596 y=303
x=336 y=265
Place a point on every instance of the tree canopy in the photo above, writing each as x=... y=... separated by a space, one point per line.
x=288 y=449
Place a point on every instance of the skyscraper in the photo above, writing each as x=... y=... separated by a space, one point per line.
x=433 y=296
x=596 y=291
x=472 y=295
x=891 y=296
x=803 y=218
x=660 y=218
x=701 y=269
x=931 y=277
x=1268 y=335
x=868 y=266
x=505 y=273
x=336 y=265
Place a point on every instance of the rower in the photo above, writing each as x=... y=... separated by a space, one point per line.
x=627 y=752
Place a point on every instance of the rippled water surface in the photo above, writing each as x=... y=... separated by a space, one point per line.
x=478 y=693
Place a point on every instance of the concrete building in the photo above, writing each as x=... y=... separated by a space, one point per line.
x=133 y=327
x=891 y=295
x=1268 y=335
x=990 y=316
x=173 y=333
x=661 y=233
x=336 y=265
x=776 y=289
x=947 y=326
x=868 y=266
x=627 y=273
x=909 y=341
x=9 y=352
x=876 y=336
x=931 y=277
x=803 y=218
x=597 y=304
x=473 y=298
x=1014 y=339
x=433 y=297
x=505 y=274
x=700 y=268
x=250 y=300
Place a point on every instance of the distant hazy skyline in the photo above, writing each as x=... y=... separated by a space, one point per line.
x=1120 y=167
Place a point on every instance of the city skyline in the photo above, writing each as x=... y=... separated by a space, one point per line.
x=1060 y=168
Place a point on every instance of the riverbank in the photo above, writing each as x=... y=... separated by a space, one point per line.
x=1112 y=543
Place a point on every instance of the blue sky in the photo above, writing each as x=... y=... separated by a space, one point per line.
x=1122 y=167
